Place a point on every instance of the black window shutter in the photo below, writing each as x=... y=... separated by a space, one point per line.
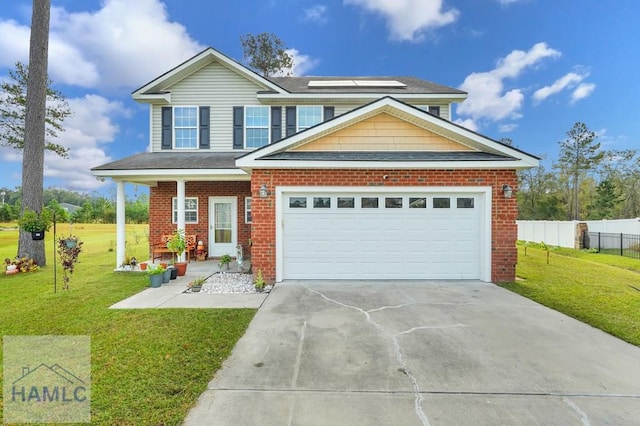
x=167 y=128
x=291 y=120
x=328 y=112
x=204 y=127
x=435 y=110
x=276 y=123
x=238 y=127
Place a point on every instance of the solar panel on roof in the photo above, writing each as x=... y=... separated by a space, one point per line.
x=355 y=83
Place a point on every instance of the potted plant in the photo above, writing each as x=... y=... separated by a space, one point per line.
x=173 y=272
x=177 y=244
x=166 y=275
x=71 y=241
x=68 y=258
x=225 y=259
x=259 y=282
x=196 y=285
x=155 y=276
x=36 y=223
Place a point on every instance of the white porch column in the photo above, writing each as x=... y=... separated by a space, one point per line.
x=181 y=200
x=121 y=237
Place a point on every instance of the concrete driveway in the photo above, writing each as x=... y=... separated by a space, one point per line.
x=419 y=353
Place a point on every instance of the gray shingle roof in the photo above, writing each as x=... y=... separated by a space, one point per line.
x=413 y=86
x=174 y=160
x=388 y=156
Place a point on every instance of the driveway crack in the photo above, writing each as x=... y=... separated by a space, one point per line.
x=584 y=418
x=418 y=399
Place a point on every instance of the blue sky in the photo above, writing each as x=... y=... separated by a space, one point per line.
x=532 y=68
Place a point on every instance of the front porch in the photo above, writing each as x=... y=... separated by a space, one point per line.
x=172 y=294
x=202 y=193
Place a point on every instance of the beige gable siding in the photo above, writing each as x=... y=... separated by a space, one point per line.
x=217 y=87
x=383 y=132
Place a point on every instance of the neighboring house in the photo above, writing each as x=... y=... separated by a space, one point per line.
x=328 y=177
x=70 y=208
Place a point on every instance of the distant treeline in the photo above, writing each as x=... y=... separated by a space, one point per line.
x=93 y=207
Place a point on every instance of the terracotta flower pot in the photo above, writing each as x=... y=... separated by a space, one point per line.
x=143 y=266
x=181 y=267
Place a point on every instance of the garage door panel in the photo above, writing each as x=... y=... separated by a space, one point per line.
x=377 y=243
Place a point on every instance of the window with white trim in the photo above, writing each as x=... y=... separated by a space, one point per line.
x=190 y=210
x=185 y=127
x=256 y=123
x=308 y=116
x=431 y=109
x=247 y=210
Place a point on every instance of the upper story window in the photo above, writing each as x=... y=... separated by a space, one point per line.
x=256 y=121
x=308 y=116
x=185 y=126
x=431 y=109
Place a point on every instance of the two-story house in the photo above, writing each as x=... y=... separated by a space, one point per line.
x=328 y=177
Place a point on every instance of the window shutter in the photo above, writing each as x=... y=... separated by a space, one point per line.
x=167 y=128
x=276 y=123
x=435 y=110
x=204 y=127
x=291 y=120
x=328 y=112
x=238 y=127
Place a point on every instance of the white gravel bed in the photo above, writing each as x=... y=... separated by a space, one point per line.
x=228 y=282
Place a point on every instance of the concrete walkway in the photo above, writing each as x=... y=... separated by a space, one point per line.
x=172 y=294
x=419 y=353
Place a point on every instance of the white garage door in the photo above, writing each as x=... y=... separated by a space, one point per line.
x=382 y=235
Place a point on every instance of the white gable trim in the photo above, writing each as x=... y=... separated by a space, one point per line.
x=198 y=61
x=403 y=111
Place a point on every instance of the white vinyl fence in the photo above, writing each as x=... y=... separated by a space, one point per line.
x=563 y=233
x=552 y=232
x=616 y=226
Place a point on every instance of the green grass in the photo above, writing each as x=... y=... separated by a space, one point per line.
x=591 y=287
x=148 y=366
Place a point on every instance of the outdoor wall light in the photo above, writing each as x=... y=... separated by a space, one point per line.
x=507 y=191
x=263 y=191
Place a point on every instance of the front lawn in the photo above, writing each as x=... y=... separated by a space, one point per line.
x=599 y=289
x=148 y=366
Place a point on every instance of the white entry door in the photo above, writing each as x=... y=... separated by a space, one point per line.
x=222 y=225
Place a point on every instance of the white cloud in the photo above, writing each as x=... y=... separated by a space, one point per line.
x=506 y=128
x=301 y=63
x=86 y=131
x=409 y=20
x=467 y=123
x=123 y=44
x=14 y=43
x=487 y=98
x=567 y=81
x=316 y=13
x=582 y=91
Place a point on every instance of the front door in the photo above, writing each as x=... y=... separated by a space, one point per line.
x=222 y=226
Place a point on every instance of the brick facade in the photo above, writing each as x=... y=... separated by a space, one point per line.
x=503 y=215
x=160 y=209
